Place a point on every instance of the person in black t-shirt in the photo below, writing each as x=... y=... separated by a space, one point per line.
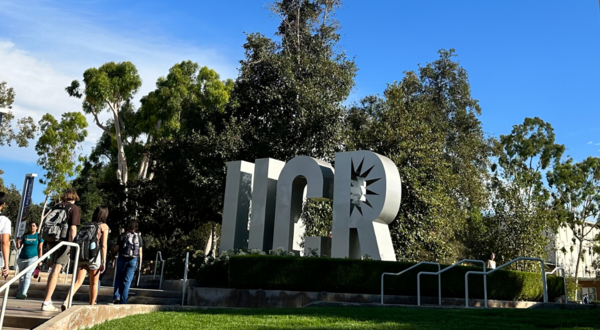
x=60 y=258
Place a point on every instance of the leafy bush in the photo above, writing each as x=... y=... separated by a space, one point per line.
x=364 y=276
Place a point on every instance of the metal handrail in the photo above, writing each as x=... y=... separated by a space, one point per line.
x=187 y=258
x=404 y=271
x=162 y=270
x=485 y=274
x=6 y=286
x=439 y=273
x=564 y=281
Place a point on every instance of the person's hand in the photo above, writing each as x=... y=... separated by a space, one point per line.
x=5 y=271
x=40 y=263
x=102 y=268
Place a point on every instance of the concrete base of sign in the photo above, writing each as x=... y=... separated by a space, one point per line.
x=216 y=297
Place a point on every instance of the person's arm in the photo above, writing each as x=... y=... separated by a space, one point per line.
x=140 y=262
x=104 y=249
x=40 y=251
x=18 y=243
x=5 y=242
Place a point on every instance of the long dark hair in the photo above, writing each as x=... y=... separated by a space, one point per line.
x=100 y=214
x=29 y=232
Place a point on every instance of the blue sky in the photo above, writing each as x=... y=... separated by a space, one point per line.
x=524 y=58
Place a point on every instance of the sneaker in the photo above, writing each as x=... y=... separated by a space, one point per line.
x=49 y=308
x=19 y=296
x=63 y=307
x=116 y=301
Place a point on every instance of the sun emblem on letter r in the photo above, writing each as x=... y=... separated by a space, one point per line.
x=359 y=187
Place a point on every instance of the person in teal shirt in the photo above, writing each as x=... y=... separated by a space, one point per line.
x=31 y=250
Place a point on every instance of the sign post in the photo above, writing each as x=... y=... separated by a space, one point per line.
x=21 y=222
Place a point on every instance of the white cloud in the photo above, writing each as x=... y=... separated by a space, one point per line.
x=590 y=142
x=48 y=47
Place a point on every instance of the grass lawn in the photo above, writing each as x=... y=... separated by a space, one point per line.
x=359 y=318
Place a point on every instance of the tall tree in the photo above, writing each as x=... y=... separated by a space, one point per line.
x=57 y=150
x=160 y=113
x=110 y=87
x=289 y=93
x=577 y=195
x=520 y=212
x=427 y=124
x=198 y=138
x=25 y=129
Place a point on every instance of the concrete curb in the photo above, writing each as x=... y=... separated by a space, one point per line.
x=80 y=317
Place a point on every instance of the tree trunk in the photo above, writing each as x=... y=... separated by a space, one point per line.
x=122 y=174
x=214 y=239
x=208 y=247
x=143 y=173
x=577 y=265
x=43 y=213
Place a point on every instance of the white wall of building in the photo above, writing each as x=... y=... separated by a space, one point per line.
x=563 y=252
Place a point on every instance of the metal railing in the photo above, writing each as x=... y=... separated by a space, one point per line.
x=564 y=281
x=404 y=271
x=439 y=273
x=6 y=286
x=187 y=259
x=162 y=268
x=485 y=274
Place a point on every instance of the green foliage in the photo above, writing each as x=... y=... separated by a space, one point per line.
x=289 y=93
x=25 y=126
x=364 y=276
x=520 y=215
x=427 y=125
x=57 y=147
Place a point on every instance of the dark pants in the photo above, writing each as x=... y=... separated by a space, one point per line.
x=125 y=271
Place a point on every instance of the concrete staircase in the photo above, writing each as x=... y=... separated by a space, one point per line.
x=27 y=314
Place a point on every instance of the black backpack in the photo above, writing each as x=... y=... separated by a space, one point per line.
x=87 y=239
x=56 y=224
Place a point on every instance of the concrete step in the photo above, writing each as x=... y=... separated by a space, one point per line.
x=136 y=296
x=25 y=314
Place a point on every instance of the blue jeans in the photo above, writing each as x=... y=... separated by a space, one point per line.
x=25 y=280
x=125 y=270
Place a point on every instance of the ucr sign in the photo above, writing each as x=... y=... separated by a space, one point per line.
x=263 y=203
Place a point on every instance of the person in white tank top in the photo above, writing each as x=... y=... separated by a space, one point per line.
x=491 y=263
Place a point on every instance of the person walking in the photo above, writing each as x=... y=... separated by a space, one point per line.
x=65 y=215
x=31 y=250
x=4 y=234
x=130 y=250
x=96 y=265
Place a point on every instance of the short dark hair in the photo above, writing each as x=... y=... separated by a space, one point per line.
x=100 y=214
x=133 y=225
x=3 y=198
x=70 y=195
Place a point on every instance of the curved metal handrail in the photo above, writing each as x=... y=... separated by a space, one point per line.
x=564 y=281
x=485 y=274
x=162 y=270
x=439 y=273
x=6 y=286
x=404 y=271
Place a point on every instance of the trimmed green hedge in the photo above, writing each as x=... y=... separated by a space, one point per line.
x=364 y=276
